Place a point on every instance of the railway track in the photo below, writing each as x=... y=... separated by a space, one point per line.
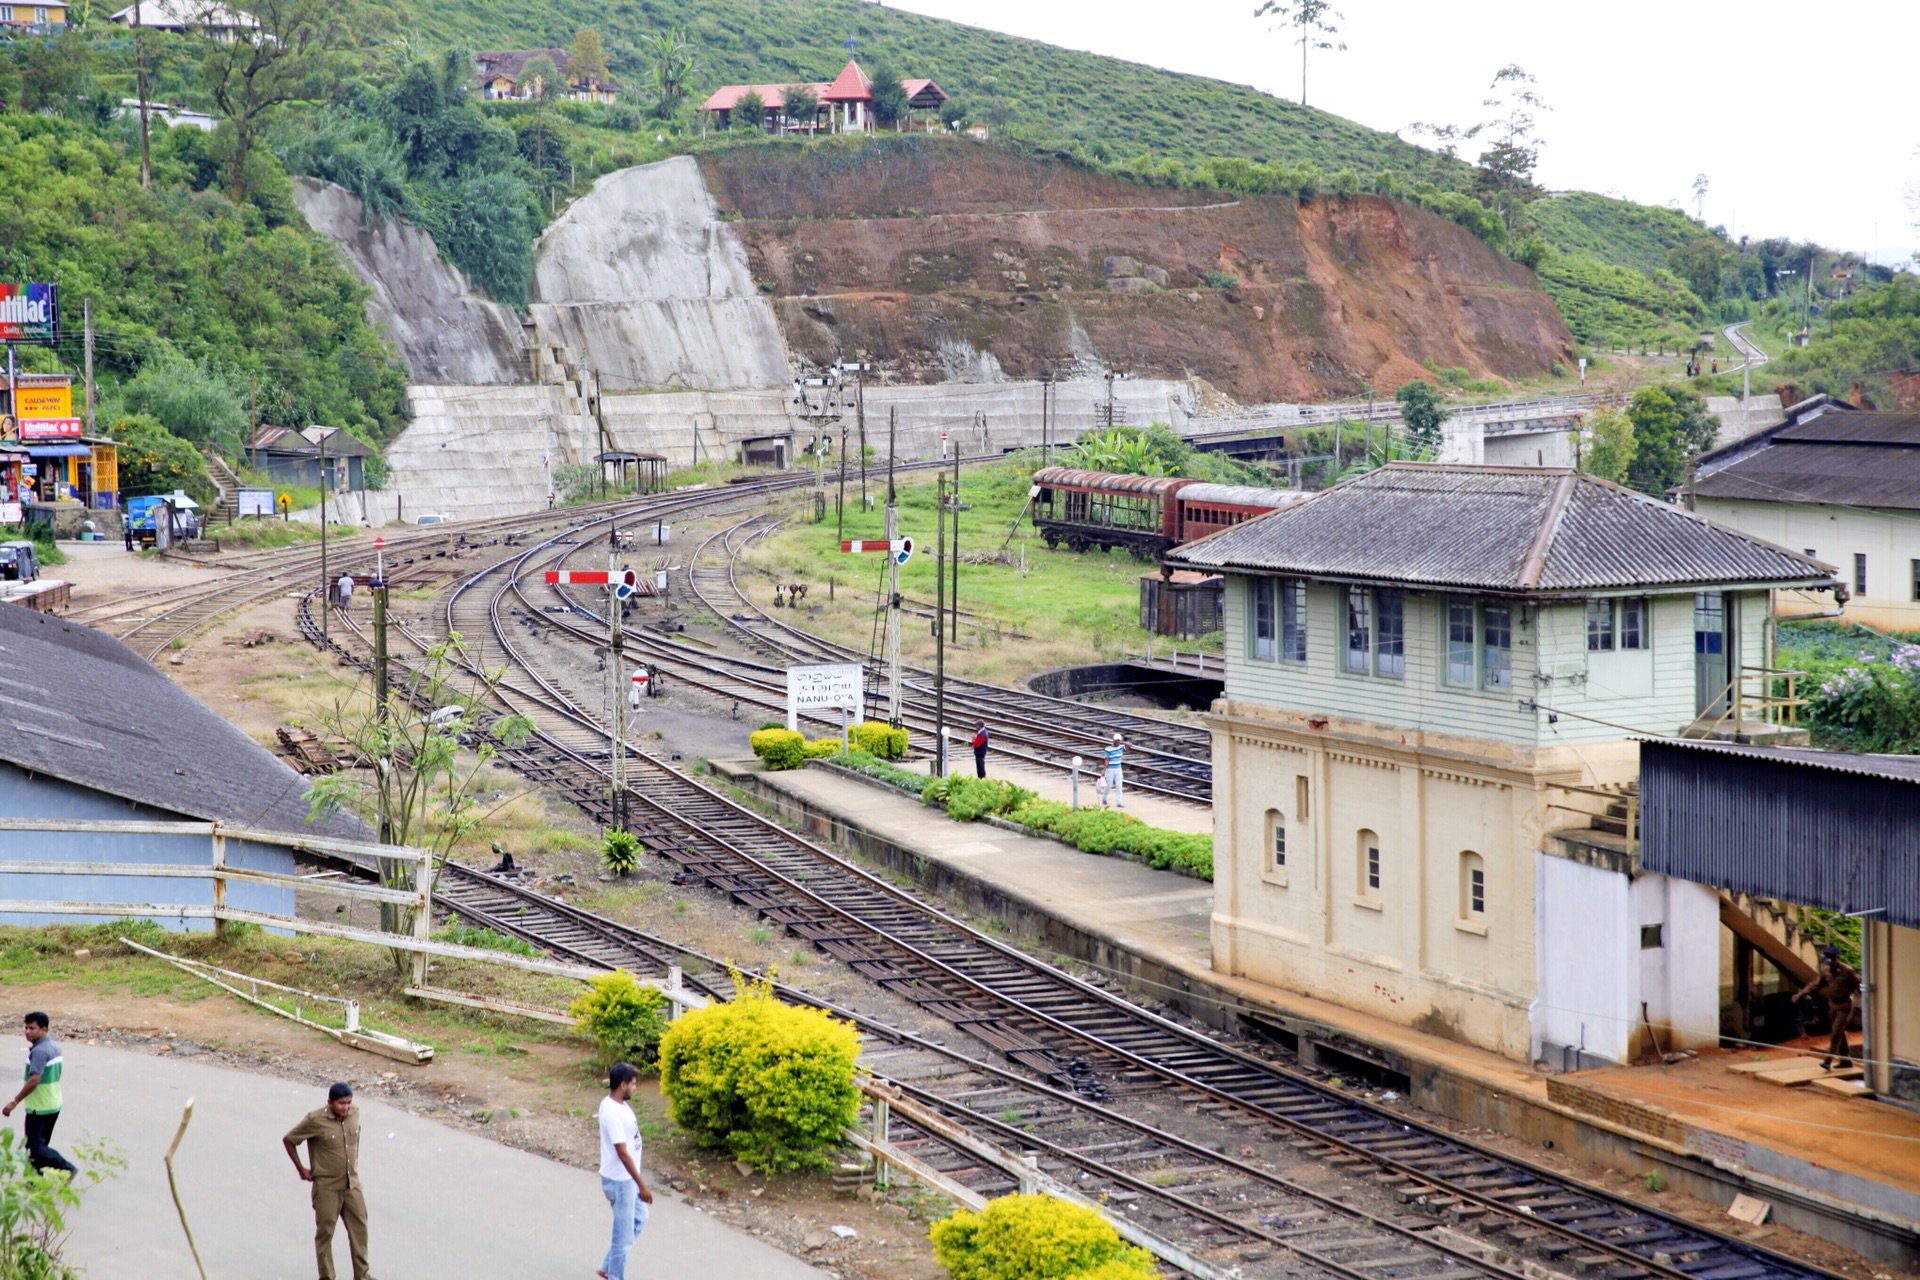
x=1089 y=1046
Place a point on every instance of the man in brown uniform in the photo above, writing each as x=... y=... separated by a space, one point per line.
x=332 y=1135
x=1837 y=984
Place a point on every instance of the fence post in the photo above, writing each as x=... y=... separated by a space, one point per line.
x=219 y=861
x=882 y=1115
x=422 y=915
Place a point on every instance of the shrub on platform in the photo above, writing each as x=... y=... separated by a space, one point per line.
x=769 y=1083
x=1036 y=1237
x=968 y=798
x=872 y=766
x=779 y=748
x=821 y=748
x=878 y=738
x=625 y=1017
x=1106 y=831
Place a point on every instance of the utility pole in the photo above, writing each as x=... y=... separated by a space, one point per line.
x=860 y=415
x=1046 y=444
x=86 y=321
x=253 y=421
x=939 y=632
x=617 y=743
x=140 y=88
x=326 y=583
x=893 y=586
x=840 y=503
x=381 y=683
x=954 y=497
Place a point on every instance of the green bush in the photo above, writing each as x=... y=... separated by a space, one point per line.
x=878 y=738
x=625 y=1017
x=892 y=774
x=1036 y=1237
x=968 y=798
x=1105 y=831
x=620 y=852
x=779 y=748
x=820 y=748
x=460 y=933
x=770 y=1084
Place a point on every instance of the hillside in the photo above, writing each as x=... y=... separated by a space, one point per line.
x=943 y=258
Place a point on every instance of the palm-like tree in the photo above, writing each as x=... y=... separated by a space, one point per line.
x=674 y=62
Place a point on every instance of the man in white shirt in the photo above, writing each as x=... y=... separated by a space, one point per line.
x=620 y=1178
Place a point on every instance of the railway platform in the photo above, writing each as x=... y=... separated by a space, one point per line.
x=440 y=1202
x=1847 y=1170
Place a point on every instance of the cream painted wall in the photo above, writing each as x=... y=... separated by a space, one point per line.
x=1889 y=539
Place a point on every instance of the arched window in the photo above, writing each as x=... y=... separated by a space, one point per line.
x=1276 y=856
x=1473 y=886
x=1367 y=864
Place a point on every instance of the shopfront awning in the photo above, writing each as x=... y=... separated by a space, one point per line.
x=59 y=451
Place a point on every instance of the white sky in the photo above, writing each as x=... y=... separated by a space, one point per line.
x=1801 y=115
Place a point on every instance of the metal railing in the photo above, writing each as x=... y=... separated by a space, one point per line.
x=1768 y=696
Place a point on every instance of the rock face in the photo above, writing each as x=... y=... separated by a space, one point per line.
x=910 y=249
x=446 y=334
x=644 y=280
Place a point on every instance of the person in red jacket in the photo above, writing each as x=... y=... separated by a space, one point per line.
x=980 y=749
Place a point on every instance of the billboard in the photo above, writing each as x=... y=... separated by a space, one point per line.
x=50 y=428
x=43 y=396
x=29 y=313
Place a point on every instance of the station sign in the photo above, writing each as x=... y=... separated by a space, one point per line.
x=832 y=686
x=30 y=313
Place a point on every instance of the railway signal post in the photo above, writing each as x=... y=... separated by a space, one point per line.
x=621 y=585
x=899 y=551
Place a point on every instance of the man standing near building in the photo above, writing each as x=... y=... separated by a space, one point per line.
x=1837 y=983
x=332 y=1135
x=1110 y=780
x=42 y=1094
x=620 y=1179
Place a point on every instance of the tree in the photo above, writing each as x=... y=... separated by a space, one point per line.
x=540 y=80
x=751 y=109
x=1505 y=178
x=674 y=61
x=1423 y=415
x=1702 y=263
x=1671 y=427
x=803 y=104
x=1699 y=195
x=953 y=113
x=1607 y=445
x=430 y=745
x=588 y=61
x=295 y=54
x=1314 y=19
x=889 y=98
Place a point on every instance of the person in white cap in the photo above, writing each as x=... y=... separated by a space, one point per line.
x=1110 y=781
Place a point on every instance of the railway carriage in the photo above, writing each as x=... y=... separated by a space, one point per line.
x=1147 y=515
x=1204 y=509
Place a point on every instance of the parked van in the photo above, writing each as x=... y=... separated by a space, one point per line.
x=19 y=562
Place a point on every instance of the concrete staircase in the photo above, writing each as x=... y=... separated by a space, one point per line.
x=1776 y=930
x=227 y=481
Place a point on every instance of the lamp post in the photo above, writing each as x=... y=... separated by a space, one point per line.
x=318 y=435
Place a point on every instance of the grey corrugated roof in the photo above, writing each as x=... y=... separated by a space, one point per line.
x=1519 y=529
x=1893 y=768
x=1245 y=495
x=78 y=705
x=1855 y=427
x=1852 y=475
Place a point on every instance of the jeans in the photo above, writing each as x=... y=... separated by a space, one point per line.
x=1113 y=789
x=39 y=1133
x=629 y=1219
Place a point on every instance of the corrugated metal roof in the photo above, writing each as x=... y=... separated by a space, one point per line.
x=1517 y=529
x=1856 y=427
x=1786 y=823
x=78 y=705
x=1852 y=475
x=1243 y=495
x=1108 y=481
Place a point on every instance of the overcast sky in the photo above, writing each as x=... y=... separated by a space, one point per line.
x=1801 y=115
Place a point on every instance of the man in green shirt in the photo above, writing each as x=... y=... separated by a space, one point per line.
x=41 y=1094
x=332 y=1135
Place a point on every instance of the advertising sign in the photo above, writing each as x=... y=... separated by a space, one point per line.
x=256 y=502
x=42 y=397
x=839 y=685
x=51 y=428
x=30 y=313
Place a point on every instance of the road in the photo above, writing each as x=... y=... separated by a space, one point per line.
x=1754 y=356
x=440 y=1202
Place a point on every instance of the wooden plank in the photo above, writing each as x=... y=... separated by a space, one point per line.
x=1768 y=1064
x=1846 y=1085
x=1791 y=1076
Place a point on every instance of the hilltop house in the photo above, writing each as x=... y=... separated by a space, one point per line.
x=846 y=101
x=1841 y=484
x=1435 y=679
x=501 y=74
x=201 y=17
x=43 y=18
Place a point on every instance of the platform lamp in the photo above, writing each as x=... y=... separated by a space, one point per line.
x=318 y=435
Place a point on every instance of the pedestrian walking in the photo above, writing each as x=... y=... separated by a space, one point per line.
x=332 y=1135
x=346 y=590
x=620 y=1179
x=41 y=1094
x=1110 y=788
x=980 y=749
x=1837 y=983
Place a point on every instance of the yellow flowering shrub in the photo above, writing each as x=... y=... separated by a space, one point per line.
x=769 y=1083
x=1036 y=1237
x=878 y=738
x=780 y=748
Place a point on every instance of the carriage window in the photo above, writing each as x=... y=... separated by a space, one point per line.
x=1293 y=620
x=1390 y=655
x=1262 y=630
x=1359 y=629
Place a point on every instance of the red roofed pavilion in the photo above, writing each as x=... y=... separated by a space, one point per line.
x=847 y=101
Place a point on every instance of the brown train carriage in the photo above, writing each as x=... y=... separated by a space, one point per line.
x=1203 y=509
x=1102 y=509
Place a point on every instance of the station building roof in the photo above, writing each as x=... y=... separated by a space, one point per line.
x=1825 y=452
x=79 y=705
x=1511 y=530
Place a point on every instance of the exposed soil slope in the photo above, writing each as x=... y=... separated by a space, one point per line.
x=922 y=254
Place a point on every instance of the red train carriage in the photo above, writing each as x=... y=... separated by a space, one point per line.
x=1100 y=509
x=1203 y=509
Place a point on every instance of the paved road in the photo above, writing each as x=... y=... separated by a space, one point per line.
x=442 y=1202
x=1745 y=346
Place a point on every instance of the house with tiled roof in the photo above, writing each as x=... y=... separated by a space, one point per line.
x=1426 y=749
x=502 y=74
x=843 y=104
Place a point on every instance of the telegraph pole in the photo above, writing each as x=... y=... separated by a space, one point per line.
x=617 y=745
x=381 y=679
x=140 y=81
x=860 y=414
x=955 y=498
x=840 y=503
x=86 y=321
x=893 y=586
x=939 y=631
